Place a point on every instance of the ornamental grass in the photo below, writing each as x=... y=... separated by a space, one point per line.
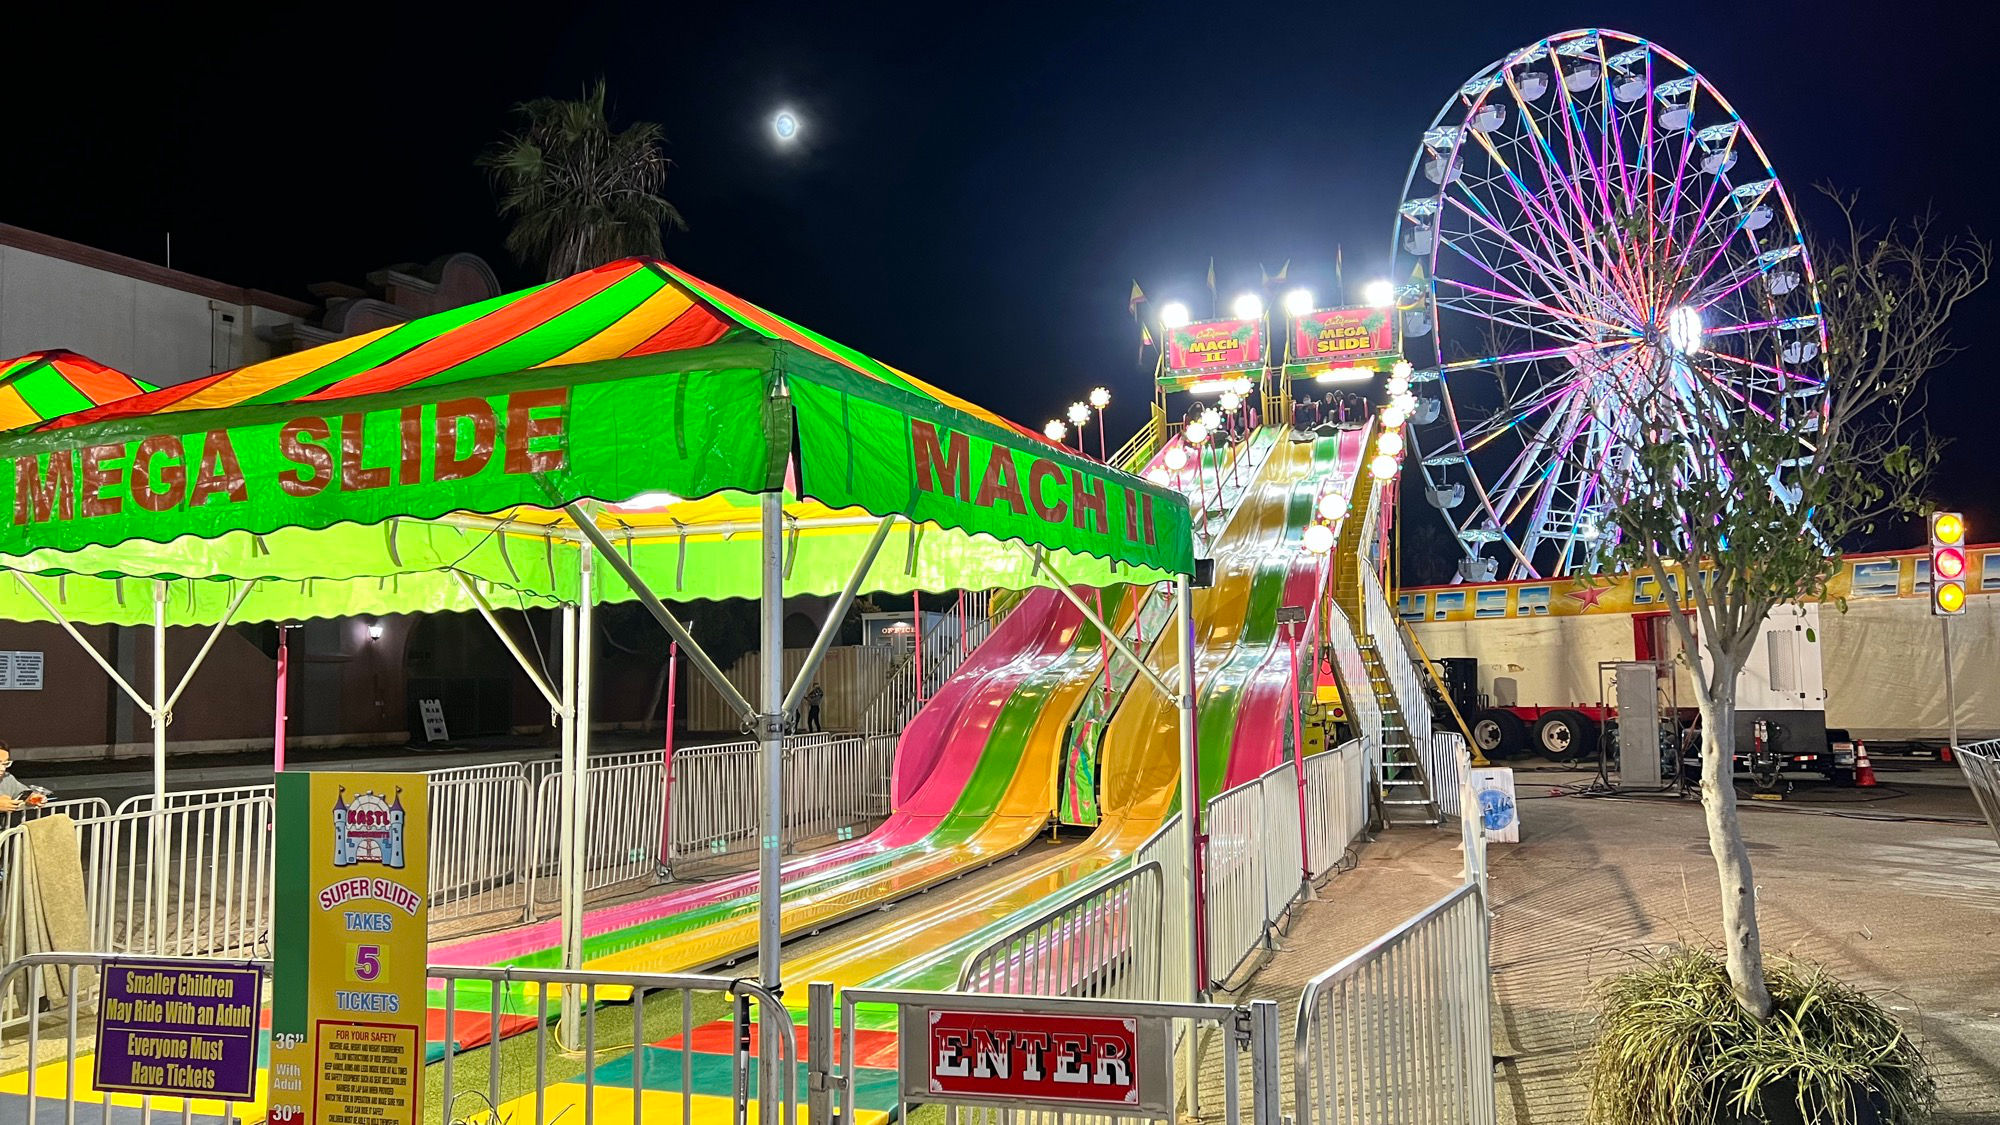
x=1675 y=1048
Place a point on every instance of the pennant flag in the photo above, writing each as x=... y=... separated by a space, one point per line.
x=1138 y=298
x=1283 y=272
x=1145 y=336
x=1339 y=279
x=1211 y=277
x=1263 y=278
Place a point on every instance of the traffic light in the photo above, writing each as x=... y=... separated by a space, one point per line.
x=1947 y=564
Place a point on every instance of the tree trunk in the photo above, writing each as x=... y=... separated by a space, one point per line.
x=1745 y=950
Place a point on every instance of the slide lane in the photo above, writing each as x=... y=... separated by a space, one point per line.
x=1256 y=559
x=926 y=948
x=1001 y=738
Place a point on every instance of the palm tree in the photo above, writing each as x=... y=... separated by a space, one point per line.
x=579 y=193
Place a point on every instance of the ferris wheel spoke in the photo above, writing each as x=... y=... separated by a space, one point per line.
x=1504 y=420
x=1507 y=244
x=1615 y=132
x=1695 y=233
x=1574 y=350
x=1565 y=186
x=1522 y=302
x=1664 y=228
x=1540 y=219
x=1550 y=275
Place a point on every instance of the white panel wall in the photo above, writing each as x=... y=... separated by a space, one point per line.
x=1535 y=661
x=144 y=329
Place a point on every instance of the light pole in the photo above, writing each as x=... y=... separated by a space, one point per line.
x=1099 y=399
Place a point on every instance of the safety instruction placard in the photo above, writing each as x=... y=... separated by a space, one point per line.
x=349 y=942
x=179 y=1027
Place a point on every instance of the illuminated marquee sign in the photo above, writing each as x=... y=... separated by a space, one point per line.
x=1214 y=346
x=1349 y=337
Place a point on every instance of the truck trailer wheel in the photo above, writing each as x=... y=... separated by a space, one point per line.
x=1565 y=736
x=1500 y=734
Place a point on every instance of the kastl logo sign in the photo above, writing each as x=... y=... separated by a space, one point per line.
x=368 y=829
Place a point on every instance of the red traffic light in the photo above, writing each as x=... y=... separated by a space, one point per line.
x=1948 y=563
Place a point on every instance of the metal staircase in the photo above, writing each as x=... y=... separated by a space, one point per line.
x=1404 y=784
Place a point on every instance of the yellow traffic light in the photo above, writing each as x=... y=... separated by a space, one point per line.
x=1947 y=528
x=1951 y=597
x=1947 y=564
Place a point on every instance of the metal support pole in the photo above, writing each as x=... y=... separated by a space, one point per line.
x=837 y=614
x=667 y=763
x=917 y=620
x=586 y=614
x=1117 y=642
x=157 y=858
x=278 y=726
x=1190 y=782
x=771 y=734
x=1950 y=695
x=527 y=666
x=572 y=951
x=730 y=695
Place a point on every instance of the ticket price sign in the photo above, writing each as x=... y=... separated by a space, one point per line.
x=348 y=941
x=1022 y=1060
x=179 y=1028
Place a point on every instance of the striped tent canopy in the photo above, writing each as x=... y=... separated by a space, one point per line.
x=373 y=474
x=49 y=384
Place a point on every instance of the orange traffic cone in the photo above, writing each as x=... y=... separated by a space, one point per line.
x=1864 y=770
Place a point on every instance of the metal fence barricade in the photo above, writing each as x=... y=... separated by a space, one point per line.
x=1233 y=872
x=833 y=785
x=1103 y=943
x=479 y=840
x=1446 y=761
x=1980 y=763
x=1028 y=1060
x=535 y=1079
x=1336 y=804
x=217 y=849
x=1401 y=1031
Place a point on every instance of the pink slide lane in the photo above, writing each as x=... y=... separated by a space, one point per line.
x=938 y=749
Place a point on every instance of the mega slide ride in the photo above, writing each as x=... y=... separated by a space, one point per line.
x=1245 y=678
x=974 y=781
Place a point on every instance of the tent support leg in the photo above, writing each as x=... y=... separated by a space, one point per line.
x=89 y=649
x=157 y=857
x=1117 y=642
x=195 y=665
x=771 y=733
x=579 y=767
x=507 y=639
x=831 y=628
x=1190 y=812
x=572 y=951
x=661 y=614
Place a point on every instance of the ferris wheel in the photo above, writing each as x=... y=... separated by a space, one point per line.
x=1587 y=225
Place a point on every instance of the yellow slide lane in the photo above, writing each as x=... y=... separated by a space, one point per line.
x=1141 y=765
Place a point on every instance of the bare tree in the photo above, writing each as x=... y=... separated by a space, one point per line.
x=1737 y=511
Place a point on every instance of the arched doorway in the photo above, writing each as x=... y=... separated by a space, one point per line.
x=455 y=658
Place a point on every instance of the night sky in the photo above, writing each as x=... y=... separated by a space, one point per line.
x=976 y=189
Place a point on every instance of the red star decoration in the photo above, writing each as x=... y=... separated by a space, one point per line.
x=1589 y=595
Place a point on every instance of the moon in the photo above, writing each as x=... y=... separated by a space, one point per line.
x=785 y=126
